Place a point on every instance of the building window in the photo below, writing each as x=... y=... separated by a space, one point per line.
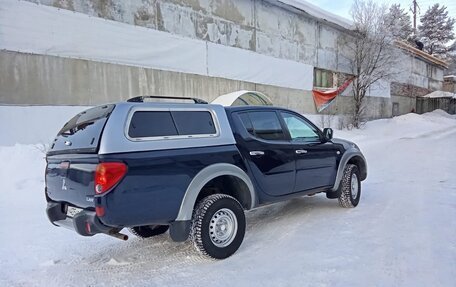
x=324 y=78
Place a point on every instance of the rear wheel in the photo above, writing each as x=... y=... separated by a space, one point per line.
x=218 y=226
x=149 y=230
x=351 y=187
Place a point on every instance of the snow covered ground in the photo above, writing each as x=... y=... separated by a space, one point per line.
x=403 y=233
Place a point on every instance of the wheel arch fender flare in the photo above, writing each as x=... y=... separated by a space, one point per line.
x=351 y=155
x=202 y=178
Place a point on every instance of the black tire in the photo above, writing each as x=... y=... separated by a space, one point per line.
x=230 y=214
x=346 y=198
x=149 y=230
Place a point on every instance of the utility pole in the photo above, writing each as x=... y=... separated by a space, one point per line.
x=415 y=5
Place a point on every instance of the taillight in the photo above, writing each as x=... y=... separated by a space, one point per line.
x=107 y=175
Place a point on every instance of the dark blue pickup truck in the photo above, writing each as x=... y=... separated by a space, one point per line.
x=192 y=168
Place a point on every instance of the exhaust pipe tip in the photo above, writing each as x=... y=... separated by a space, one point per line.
x=119 y=235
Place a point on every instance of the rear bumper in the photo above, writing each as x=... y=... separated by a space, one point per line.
x=85 y=223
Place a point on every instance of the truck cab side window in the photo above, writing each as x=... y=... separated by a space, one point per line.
x=247 y=123
x=263 y=125
x=299 y=129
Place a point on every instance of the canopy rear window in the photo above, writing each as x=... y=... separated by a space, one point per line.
x=82 y=133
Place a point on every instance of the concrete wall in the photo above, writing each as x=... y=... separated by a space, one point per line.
x=48 y=80
x=417 y=72
x=39 y=79
x=404 y=95
x=406 y=104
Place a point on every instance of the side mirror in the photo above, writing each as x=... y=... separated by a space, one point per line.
x=328 y=134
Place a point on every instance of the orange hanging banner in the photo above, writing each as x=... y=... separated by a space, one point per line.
x=324 y=98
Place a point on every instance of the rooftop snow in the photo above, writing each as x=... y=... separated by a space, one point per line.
x=440 y=94
x=319 y=13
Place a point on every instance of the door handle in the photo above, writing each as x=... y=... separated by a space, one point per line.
x=300 y=151
x=257 y=152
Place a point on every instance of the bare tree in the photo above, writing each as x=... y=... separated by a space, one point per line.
x=328 y=117
x=372 y=53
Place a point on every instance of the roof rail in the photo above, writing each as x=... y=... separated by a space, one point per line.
x=140 y=99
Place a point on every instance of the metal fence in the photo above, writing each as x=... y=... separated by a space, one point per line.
x=424 y=105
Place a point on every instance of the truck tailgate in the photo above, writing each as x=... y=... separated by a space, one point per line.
x=72 y=158
x=70 y=179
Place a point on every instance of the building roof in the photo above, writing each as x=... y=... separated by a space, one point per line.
x=422 y=55
x=440 y=94
x=330 y=18
x=319 y=13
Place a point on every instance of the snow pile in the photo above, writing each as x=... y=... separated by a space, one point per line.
x=400 y=234
x=436 y=124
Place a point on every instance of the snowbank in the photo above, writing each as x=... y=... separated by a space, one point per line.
x=40 y=124
x=436 y=123
x=33 y=124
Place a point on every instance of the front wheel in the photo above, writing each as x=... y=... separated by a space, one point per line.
x=218 y=226
x=351 y=187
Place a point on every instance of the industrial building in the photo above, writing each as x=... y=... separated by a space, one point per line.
x=79 y=52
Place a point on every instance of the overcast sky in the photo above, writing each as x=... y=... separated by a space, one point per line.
x=342 y=7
